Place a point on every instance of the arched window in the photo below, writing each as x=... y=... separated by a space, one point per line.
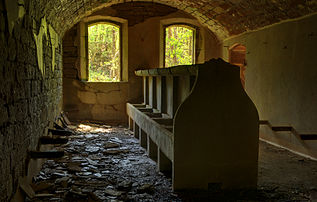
x=104 y=52
x=237 y=55
x=179 y=45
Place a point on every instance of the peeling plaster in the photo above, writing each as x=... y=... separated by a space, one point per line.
x=15 y=11
x=39 y=43
x=54 y=41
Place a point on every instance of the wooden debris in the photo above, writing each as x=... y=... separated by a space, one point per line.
x=27 y=189
x=43 y=195
x=66 y=120
x=58 y=127
x=51 y=140
x=46 y=154
x=60 y=132
x=61 y=120
x=41 y=186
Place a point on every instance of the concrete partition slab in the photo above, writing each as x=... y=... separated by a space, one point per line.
x=164 y=164
x=152 y=149
x=136 y=130
x=143 y=139
x=216 y=132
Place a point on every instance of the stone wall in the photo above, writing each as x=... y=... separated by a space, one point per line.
x=106 y=101
x=29 y=98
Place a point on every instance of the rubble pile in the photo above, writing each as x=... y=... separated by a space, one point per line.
x=102 y=163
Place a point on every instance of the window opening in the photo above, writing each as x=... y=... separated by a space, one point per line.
x=179 y=45
x=104 y=52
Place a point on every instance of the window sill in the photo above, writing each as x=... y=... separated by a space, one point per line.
x=104 y=82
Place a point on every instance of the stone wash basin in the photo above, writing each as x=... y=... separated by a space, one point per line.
x=139 y=105
x=145 y=109
x=164 y=121
x=153 y=114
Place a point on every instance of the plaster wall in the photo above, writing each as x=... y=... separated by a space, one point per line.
x=281 y=72
x=106 y=101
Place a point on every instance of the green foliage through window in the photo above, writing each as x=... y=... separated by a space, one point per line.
x=179 y=45
x=104 y=52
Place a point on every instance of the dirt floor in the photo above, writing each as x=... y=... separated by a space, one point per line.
x=104 y=163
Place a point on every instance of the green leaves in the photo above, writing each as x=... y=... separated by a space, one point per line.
x=179 y=45
x=104 y=52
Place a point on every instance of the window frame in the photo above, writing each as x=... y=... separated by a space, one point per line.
x=113 y=23
x=83 y=45
x=195 y=30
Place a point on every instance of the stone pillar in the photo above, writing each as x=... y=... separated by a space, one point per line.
x=145 y=90
x=151 y=149
x=152 y=92
x=136 y=130
x=164 y=164
x=131 y=123
x=143 y=138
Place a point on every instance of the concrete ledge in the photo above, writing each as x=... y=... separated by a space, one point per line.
x=161 y=136
x=180 y=70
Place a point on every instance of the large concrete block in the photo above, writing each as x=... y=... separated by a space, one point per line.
x=216 y=132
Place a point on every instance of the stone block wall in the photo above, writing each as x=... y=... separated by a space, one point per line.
x=29 y=99
x=106 y=101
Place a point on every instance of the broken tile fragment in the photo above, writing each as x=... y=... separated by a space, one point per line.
x=146 y=188
x=92 y=149
x=111 y=145
x=113 y=192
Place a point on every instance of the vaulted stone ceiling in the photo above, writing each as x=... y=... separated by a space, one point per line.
x=224 y=17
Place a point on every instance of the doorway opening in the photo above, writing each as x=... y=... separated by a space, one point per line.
x=237 y=56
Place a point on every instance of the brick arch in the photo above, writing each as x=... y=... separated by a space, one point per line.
x=73 y=11
x=223 y=17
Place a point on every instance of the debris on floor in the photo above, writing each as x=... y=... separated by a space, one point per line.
x=105 y=163
x=102 y=163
